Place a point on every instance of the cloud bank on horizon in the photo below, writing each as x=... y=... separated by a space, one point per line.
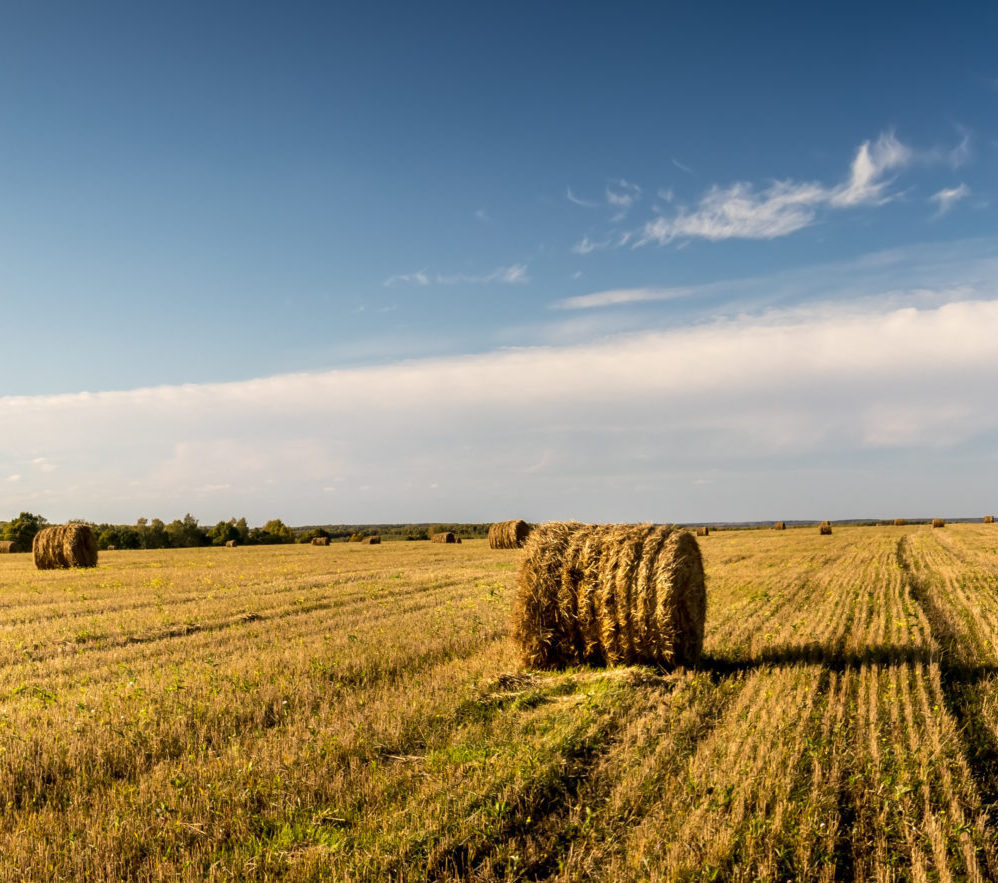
x=689 y=420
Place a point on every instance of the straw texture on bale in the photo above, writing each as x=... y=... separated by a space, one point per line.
x=320 y=541
x=445 y=537
x=7 y=547
x=779 y=525
x=112 y=548
x=989 y=519
x=703 y=531
x=231 y=544
x=508 y=534
x=609 y=594
x=898 y=522
x=824 y=529
x=938 y=522
x=65 y=545
x=372 y=541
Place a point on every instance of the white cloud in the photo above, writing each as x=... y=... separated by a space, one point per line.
x=586 y=245
x=585 y=203
x=565 y=431
x=620 y=296
x=14 y=477
x=946 y=198
x=743 y=211
x=482 y=216
x=514 y=274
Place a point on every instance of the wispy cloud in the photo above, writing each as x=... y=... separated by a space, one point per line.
x=946 y=198
x=482 y=215
x=741 y=211
x=620 y=296
x=585 y=203
x=587 y=246
x=514 y=274
x=682 y=166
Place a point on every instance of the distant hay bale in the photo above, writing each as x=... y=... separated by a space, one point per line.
x=508 y=534
x=779 y=525
x=898 y=522
x=445 y=537
x=372 y=541
x=703 y=531
x=8 y=547
x=825 y=529
x=938 y=522
x=65 y=545
x=111 y=548
x=320 y=541
x=609 y=594
x=989 y=519
x=231 y=544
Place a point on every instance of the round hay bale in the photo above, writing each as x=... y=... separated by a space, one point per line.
x=779 y=525
x=231 y=544
x=825 y=529
x=110 y=548
x=609 y=594
x=320 y=541
x=989 y=519
x=8 y=547
x=938 y=522
x=444 y=537
x=508 y=534
x=65 y=545
x=899 y=522
x=703 y=531
x=372 y=541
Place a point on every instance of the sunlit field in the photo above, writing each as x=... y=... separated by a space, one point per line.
x=358 y=712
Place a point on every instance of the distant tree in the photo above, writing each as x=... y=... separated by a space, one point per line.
x=21 y=531
x=224 y=531
x=276 y=531
x=186 y=533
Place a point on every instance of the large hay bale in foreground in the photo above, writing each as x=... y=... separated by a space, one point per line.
x=231 y=544
x=779 y=525
x=938 y=522
x=898 y=522
x=609 y=594
x=989 y=519
x=65 y=545
x=320 y=541
x=508 y=534
x=703 y=531
x=445 y=537
x=825 y=529
x=372 y=541
x=8 y=547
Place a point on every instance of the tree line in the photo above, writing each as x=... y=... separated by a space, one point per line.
x=186 y=532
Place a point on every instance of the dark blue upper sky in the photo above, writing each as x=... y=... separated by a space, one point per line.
x=219 y=191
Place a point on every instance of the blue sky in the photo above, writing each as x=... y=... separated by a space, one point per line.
x=251 y=257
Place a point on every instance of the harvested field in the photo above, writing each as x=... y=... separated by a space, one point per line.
x=362 y=714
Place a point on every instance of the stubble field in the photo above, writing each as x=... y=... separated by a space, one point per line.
x=358 y=713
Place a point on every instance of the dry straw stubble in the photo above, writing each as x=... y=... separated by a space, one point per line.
x=508 y=534
x=65 y=545
x=609 y=594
